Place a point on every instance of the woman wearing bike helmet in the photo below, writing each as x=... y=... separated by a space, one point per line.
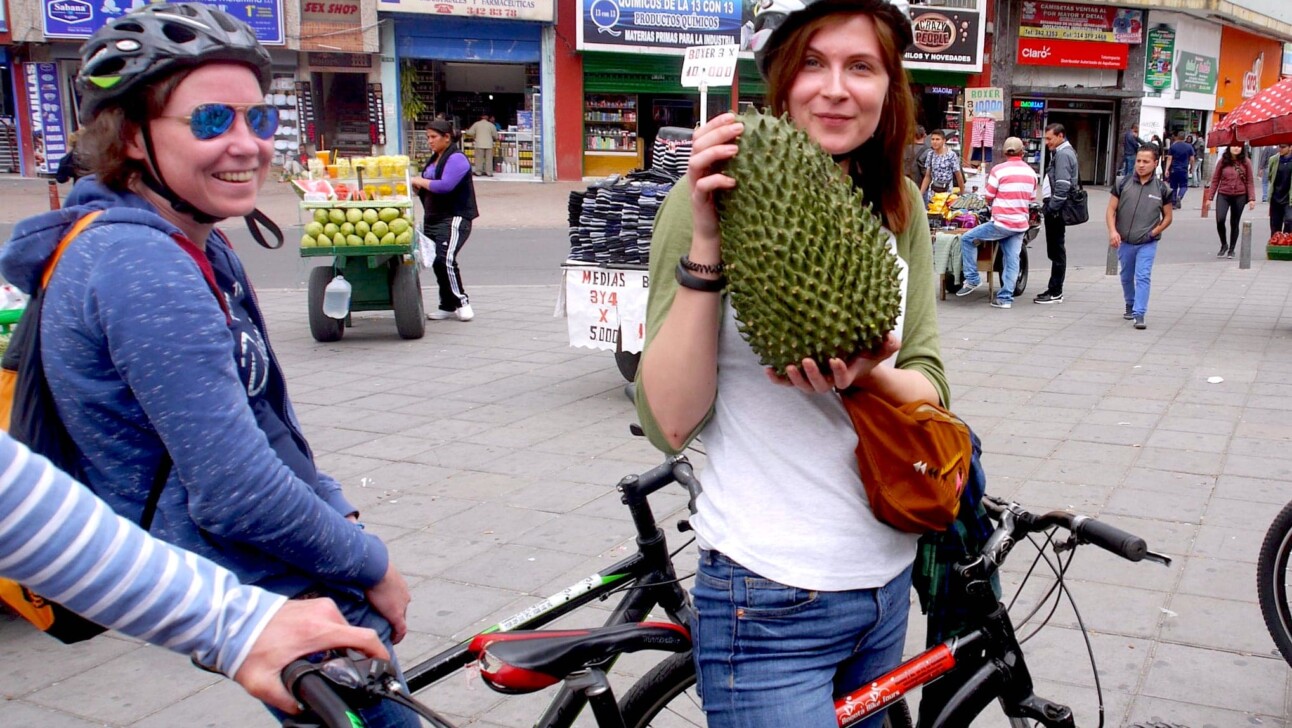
x=801 y=594
x=154 y=346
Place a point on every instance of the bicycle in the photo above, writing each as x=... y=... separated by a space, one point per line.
x=982 y=665
x=1272 y=581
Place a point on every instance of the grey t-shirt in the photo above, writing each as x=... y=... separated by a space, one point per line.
x=1139 y=207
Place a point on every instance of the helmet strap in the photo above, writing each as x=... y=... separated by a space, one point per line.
x=153 y=178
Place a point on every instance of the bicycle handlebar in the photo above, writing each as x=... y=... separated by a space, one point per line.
x=313 y=692
x=331 y=686
x=1015 y=522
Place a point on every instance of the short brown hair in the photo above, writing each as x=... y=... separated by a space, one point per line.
x=101 y=146
x=883 y=184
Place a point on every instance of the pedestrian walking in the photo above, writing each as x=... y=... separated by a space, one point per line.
x=1130 y=145
x=1011 y=189
x=1263 y=156
x=448 y=196
x=1200 y=165
x=1279 y=170
x=1061 y=176
x=482 y=135
x=154 y=346
x=915 y=162
x=1232 y=186
x=1180 y=158
x=1138 y=211
x=801 y=593
x=942 y=169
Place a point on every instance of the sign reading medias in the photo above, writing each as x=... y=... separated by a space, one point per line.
x=986 y=103
x=605 y=308
x=945 y=39
x=1068 y=21
x=540 y=10
x=661 y=26
x=709 y=65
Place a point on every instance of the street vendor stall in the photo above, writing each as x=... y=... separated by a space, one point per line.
x=360 y=214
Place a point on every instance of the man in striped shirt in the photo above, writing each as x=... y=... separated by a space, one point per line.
x=1011 y=187
x=61 y=541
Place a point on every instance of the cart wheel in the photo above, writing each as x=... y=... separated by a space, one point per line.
x=406 y=295
x=1020 y=285
x=628 y=361
x=323 y=327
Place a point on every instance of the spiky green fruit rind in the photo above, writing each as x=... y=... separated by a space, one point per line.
x=808 y=264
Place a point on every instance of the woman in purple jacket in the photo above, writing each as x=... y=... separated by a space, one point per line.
x=449 y=199
x=1232 y=186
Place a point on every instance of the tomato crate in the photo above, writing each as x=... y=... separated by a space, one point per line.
x=1278 y=252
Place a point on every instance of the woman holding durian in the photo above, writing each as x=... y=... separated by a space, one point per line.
x=801 y=594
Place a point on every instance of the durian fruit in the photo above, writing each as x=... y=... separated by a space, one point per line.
x=809 y=268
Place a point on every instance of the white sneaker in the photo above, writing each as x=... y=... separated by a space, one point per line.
x=465 y=313
x=439 y=315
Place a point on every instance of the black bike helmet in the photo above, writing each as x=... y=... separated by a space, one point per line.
x=774 y=20
x=140 y=47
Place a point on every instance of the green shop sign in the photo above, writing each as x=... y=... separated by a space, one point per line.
x=1196 y=73
x=1159 y=50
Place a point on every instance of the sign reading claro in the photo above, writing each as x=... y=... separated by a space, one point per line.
x=934 y=32
x=1039 y=53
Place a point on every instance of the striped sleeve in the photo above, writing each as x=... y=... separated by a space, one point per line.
x=65 y=544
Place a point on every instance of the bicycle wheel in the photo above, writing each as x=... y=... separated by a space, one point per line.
x=1272 y=581
x=665 y=698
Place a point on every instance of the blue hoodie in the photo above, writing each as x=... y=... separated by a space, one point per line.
x=138 y=352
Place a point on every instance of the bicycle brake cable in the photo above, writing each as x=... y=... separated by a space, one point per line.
x=1059 y=572
x=1090 y=650
x=1040 y=552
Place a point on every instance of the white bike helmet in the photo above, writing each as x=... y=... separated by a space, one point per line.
x=774 y=20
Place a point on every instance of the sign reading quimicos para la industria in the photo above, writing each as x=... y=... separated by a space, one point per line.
x=945 y=40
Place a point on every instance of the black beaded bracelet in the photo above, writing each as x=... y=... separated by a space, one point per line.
x=687 y=279
x=713 y=270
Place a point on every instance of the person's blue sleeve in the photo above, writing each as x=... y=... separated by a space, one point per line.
x=65 y=544
x=455 y=169
x=166 y=335
x=330 y=490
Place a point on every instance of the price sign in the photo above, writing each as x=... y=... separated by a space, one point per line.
x=606 y=308
x=709 y=65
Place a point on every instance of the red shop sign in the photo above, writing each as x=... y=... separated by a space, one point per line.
x=1071 y=53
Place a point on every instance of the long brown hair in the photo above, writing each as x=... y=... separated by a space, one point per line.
x=875 y=166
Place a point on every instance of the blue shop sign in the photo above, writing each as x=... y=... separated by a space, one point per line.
x=45 y=109
x=78 y=19
x=668 y=26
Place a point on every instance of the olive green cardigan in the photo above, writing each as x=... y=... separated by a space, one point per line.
x=920 y=341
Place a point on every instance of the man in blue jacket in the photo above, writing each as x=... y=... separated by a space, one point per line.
x=1061 y=177
x=1130 y=147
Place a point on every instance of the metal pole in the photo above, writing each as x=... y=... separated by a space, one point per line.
x=1245 y=246
x=704 y=103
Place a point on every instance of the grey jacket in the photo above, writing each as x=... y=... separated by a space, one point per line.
x=1062 y=175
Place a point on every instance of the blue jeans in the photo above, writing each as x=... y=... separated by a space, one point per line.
x=1137 y=269
x=1011 y=244
x=772 y=656
x=1128 y=165
x=359 y=612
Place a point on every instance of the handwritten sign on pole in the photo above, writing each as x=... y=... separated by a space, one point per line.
x=713 y=65
x=605 y=308
x=986 y=102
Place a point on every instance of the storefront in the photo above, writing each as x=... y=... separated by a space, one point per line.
x=480 y=60
x=1069 y=61
x=1181 y=60
x=9 y=145
x=1248 y=63
x=946 y=53
x=44 y=95
x=632 y=53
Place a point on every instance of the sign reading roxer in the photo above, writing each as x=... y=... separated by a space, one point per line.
x=986 y=102
x=713 y=65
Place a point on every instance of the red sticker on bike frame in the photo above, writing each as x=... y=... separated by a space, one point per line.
x=907 y=676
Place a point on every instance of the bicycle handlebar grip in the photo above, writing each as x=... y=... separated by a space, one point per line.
x=1110 y=538
x=316 y=695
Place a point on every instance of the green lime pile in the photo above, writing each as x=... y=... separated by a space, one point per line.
x=353 y=226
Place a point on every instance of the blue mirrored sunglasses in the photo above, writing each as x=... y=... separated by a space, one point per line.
x=209 y=121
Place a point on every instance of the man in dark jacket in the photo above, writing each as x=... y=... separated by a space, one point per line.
x=1061 y=176
x=1130 y=147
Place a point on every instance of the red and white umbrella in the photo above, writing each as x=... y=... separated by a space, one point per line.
x=1262 y=120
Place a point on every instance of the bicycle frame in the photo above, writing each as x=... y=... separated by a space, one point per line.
x=650 y=571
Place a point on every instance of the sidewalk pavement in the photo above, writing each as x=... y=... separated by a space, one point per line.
x=486 y=455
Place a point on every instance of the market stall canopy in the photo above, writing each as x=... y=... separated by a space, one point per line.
x=1262 y=120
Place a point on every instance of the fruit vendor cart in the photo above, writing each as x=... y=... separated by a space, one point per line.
x=366 y=226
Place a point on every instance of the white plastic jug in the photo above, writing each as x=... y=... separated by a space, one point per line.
x=336 y=298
